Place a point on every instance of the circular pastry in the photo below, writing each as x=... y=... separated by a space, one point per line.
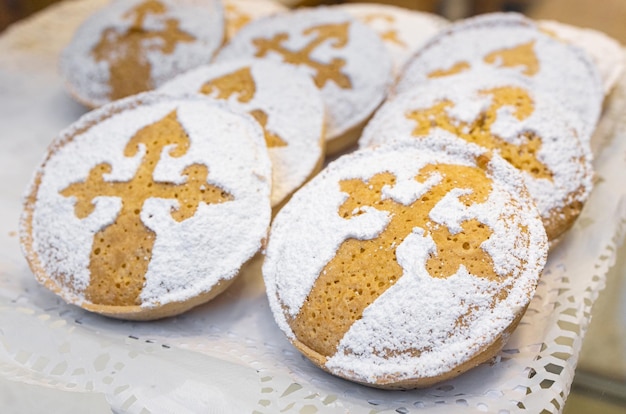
x=346 y=59
x=524 y=126
x=283 y=100
x=239 y=13
x=148 y=206
x=403 y=31
x=606 y=52
x=509 y=43
x=404 y=265
x=134 y=46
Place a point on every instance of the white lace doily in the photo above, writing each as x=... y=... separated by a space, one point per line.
x=228 y=355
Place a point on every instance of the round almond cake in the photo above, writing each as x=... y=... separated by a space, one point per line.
x=347 y=61
x=283 y=100
x=404 y=265
x=135 y=46
x=500 y=113
x=512 y=44
x=148 y=206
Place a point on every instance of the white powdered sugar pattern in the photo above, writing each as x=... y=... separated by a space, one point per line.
x=308 y=231
x=216 y=241
x=565 y=72
x=33 y=318
x=567 y=158
x=605 y=51
x=403 y=31
x=367 y=62
x=89 y=79
x=294 y=108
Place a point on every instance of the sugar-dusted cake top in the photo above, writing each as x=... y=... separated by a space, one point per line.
x=148 y=201
x=403 y=31
x=510 y=43
x=501 y=113
x=283 y=100
x=346 y=59
x=136 y=45
x=399 y=264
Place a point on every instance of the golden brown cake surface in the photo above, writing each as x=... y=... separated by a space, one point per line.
x=283 y=101
x=424 y=249
x=346 y=60
x=510 y=44
x=130 y=187
x=500 y=113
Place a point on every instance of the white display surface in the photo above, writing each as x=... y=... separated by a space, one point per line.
x=228 y=355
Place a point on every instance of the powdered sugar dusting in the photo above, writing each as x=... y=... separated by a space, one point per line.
x=403 y=31
x=367 y=62
x=409 y=316
x=605 y=51
x=561 y=151
x=88 y=79
x=216 y=240
x=294 y=108
x=565 y=72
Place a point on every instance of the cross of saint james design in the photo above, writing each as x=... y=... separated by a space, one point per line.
x=241 y=83
x=125 y=52
x=336 y=34
x=367 y=268
x=122 y=251
x=522 y=156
